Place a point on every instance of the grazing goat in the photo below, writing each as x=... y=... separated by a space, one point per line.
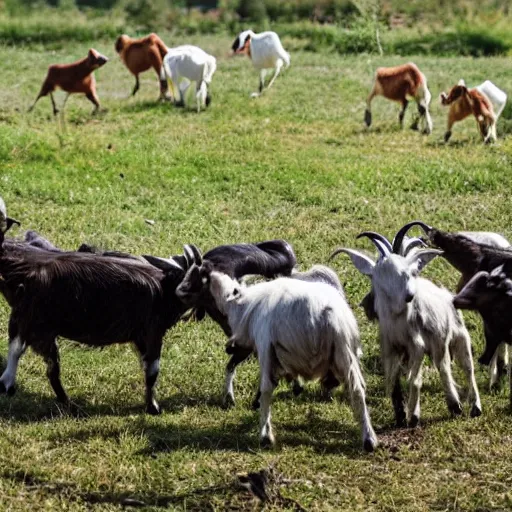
x=415 y=318
x=297 y=329
x=268 y=259
x=471 y=255
x=463 y=102
x=139 y=55
x=186 y=64
x=397 y=84
x=266 y=52
x=490 y=293
x=92 y=299
x=77 y=77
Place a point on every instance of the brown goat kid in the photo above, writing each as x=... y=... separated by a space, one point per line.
x=139 y=55
x=463 y=102
x=397 y=84
x=73 y=78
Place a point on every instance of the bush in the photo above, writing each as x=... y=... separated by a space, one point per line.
x=252 y=10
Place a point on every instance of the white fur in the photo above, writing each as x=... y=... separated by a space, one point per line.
x=416 y=318
x=298 y=329
x=267 y=52
x=16 y=350
x=186 y=64
x=497 y=97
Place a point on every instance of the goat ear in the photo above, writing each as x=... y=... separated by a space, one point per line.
x=162 y=263
x=418 y=260
x=9 y=222
x=235 y=294
x=363 y=263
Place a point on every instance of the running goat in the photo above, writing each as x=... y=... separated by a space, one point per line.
x=265 y=51
x=415 y=318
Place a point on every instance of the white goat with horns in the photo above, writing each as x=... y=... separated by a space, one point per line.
x=415 y=317
x=297 y=328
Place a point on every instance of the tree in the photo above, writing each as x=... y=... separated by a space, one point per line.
x=252 y=10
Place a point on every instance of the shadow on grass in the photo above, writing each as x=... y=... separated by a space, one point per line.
x=196 y=499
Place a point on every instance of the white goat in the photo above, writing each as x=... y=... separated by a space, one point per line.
x=265 y=51
x=297 y=329
x=186 y=64
x=497 y=96
x=416 y=317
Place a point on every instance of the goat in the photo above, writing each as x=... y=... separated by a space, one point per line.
x=463 y=102
x=500 y=358
x=397 y=84
x=415 y=318
x=495 y=94
x=490 y=293
x=73 y=78
x=470 y=256
x=186 y=64
x=139 y=55
x=297 y=329
x=5 y=222
x=265 y=51
x=92 y=299
x=268 y=259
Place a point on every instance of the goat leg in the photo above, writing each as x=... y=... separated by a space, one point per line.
x=239 y=355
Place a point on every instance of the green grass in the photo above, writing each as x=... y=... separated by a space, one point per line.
x=297 y=164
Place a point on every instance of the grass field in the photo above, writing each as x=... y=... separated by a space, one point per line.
x=294 y=164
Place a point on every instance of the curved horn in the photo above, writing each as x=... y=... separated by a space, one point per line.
x=198 y=258
x=411 y=243
x=399 y=237
x=380 y=241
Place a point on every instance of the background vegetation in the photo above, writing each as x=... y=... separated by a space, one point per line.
x=295 y=163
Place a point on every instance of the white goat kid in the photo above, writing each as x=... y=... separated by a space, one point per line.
x=416 y=317
x=296 y=329
x=186 y=64
x=266 y=52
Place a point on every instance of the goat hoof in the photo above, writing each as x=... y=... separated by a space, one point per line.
x=475 y=411
x=228 y=402
x=179 y=104
x=297 y=389
x=455 y=408
x=369 y=445
x=414 y=421
x=153 y=409
x=267 y=442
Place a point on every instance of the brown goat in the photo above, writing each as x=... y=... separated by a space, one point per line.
x=142 y=54
x=73 y=78
x=463 y=102
x=397 y=84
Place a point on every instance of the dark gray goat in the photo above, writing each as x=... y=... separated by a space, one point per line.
x=490 y=293
x=92 y=299
x=469 y=257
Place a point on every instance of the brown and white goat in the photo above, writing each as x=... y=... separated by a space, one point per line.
x=397 y=84
x=139 y=55
x=73 y=78
x=463 y=102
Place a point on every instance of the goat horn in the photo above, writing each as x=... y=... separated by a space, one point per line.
x=411 y=244
x=399 y=237
x=198 y=259
x=380 y=241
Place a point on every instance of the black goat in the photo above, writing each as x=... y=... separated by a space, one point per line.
x=490 y=293
x=470 y=257
x=93 y=299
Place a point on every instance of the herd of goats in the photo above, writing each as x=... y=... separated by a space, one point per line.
x=185 y=64
x=299 y=325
